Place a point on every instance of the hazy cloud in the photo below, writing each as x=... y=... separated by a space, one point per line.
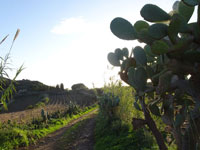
x=72 y=25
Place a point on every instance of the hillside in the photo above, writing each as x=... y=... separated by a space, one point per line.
x=31 y=94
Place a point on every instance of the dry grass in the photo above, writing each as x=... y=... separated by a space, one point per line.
x=27 y=115
x=4 y=39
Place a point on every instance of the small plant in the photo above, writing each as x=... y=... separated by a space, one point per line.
x=30 y=107
x=39 y=104
x=108 y=103
x=46 y=100
x=43 y=115
x=72 y=109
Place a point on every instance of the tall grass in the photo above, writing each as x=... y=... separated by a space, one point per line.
x=125 y=111
x=7 y=92
x=116 y=133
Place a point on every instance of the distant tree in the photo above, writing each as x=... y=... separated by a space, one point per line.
x=57 y=86
x=78 y=86
x=62 y=86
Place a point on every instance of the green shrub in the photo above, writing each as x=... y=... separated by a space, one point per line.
x=114 y=123
x=125 y=110
x=73 y=109
x=117 y=136
x=13 y=138
x=30 y=107
x=40 y=104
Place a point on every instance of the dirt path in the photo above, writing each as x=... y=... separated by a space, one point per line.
x=81 y=136
x=81 y=139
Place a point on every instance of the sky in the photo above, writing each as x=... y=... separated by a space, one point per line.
x=66 y=41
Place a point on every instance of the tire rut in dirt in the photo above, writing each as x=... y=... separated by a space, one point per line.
x=81 y=139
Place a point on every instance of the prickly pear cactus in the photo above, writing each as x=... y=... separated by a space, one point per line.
x=43 y=115
x=73 y=108
x=166 y=69
x=108 y=104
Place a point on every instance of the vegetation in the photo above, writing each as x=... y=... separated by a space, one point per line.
x=27 y=115
x=164 y=88
x=62 y=86
x=42 y=103
x=57 y=86
x=114 y=122
x=6 y=89
x=165 y=72
x=15 y=135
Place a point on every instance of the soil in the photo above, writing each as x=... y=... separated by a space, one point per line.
x=84 y=138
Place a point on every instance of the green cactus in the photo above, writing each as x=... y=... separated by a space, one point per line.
x=153 y=13
x=119 y=53
x=170 y=54
x=148 y=51
x=72 y=109
x=185 y=10
x=123 y=29
x=158 y=31
x=159 y=47
x=113 y=59
x=144 y=36
x=125 y=52
x=140 y=56
x=108 y=103
x=140 y=25
x=131 y=77
x=43 y=115
x=140 y=78
x=191 y=2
